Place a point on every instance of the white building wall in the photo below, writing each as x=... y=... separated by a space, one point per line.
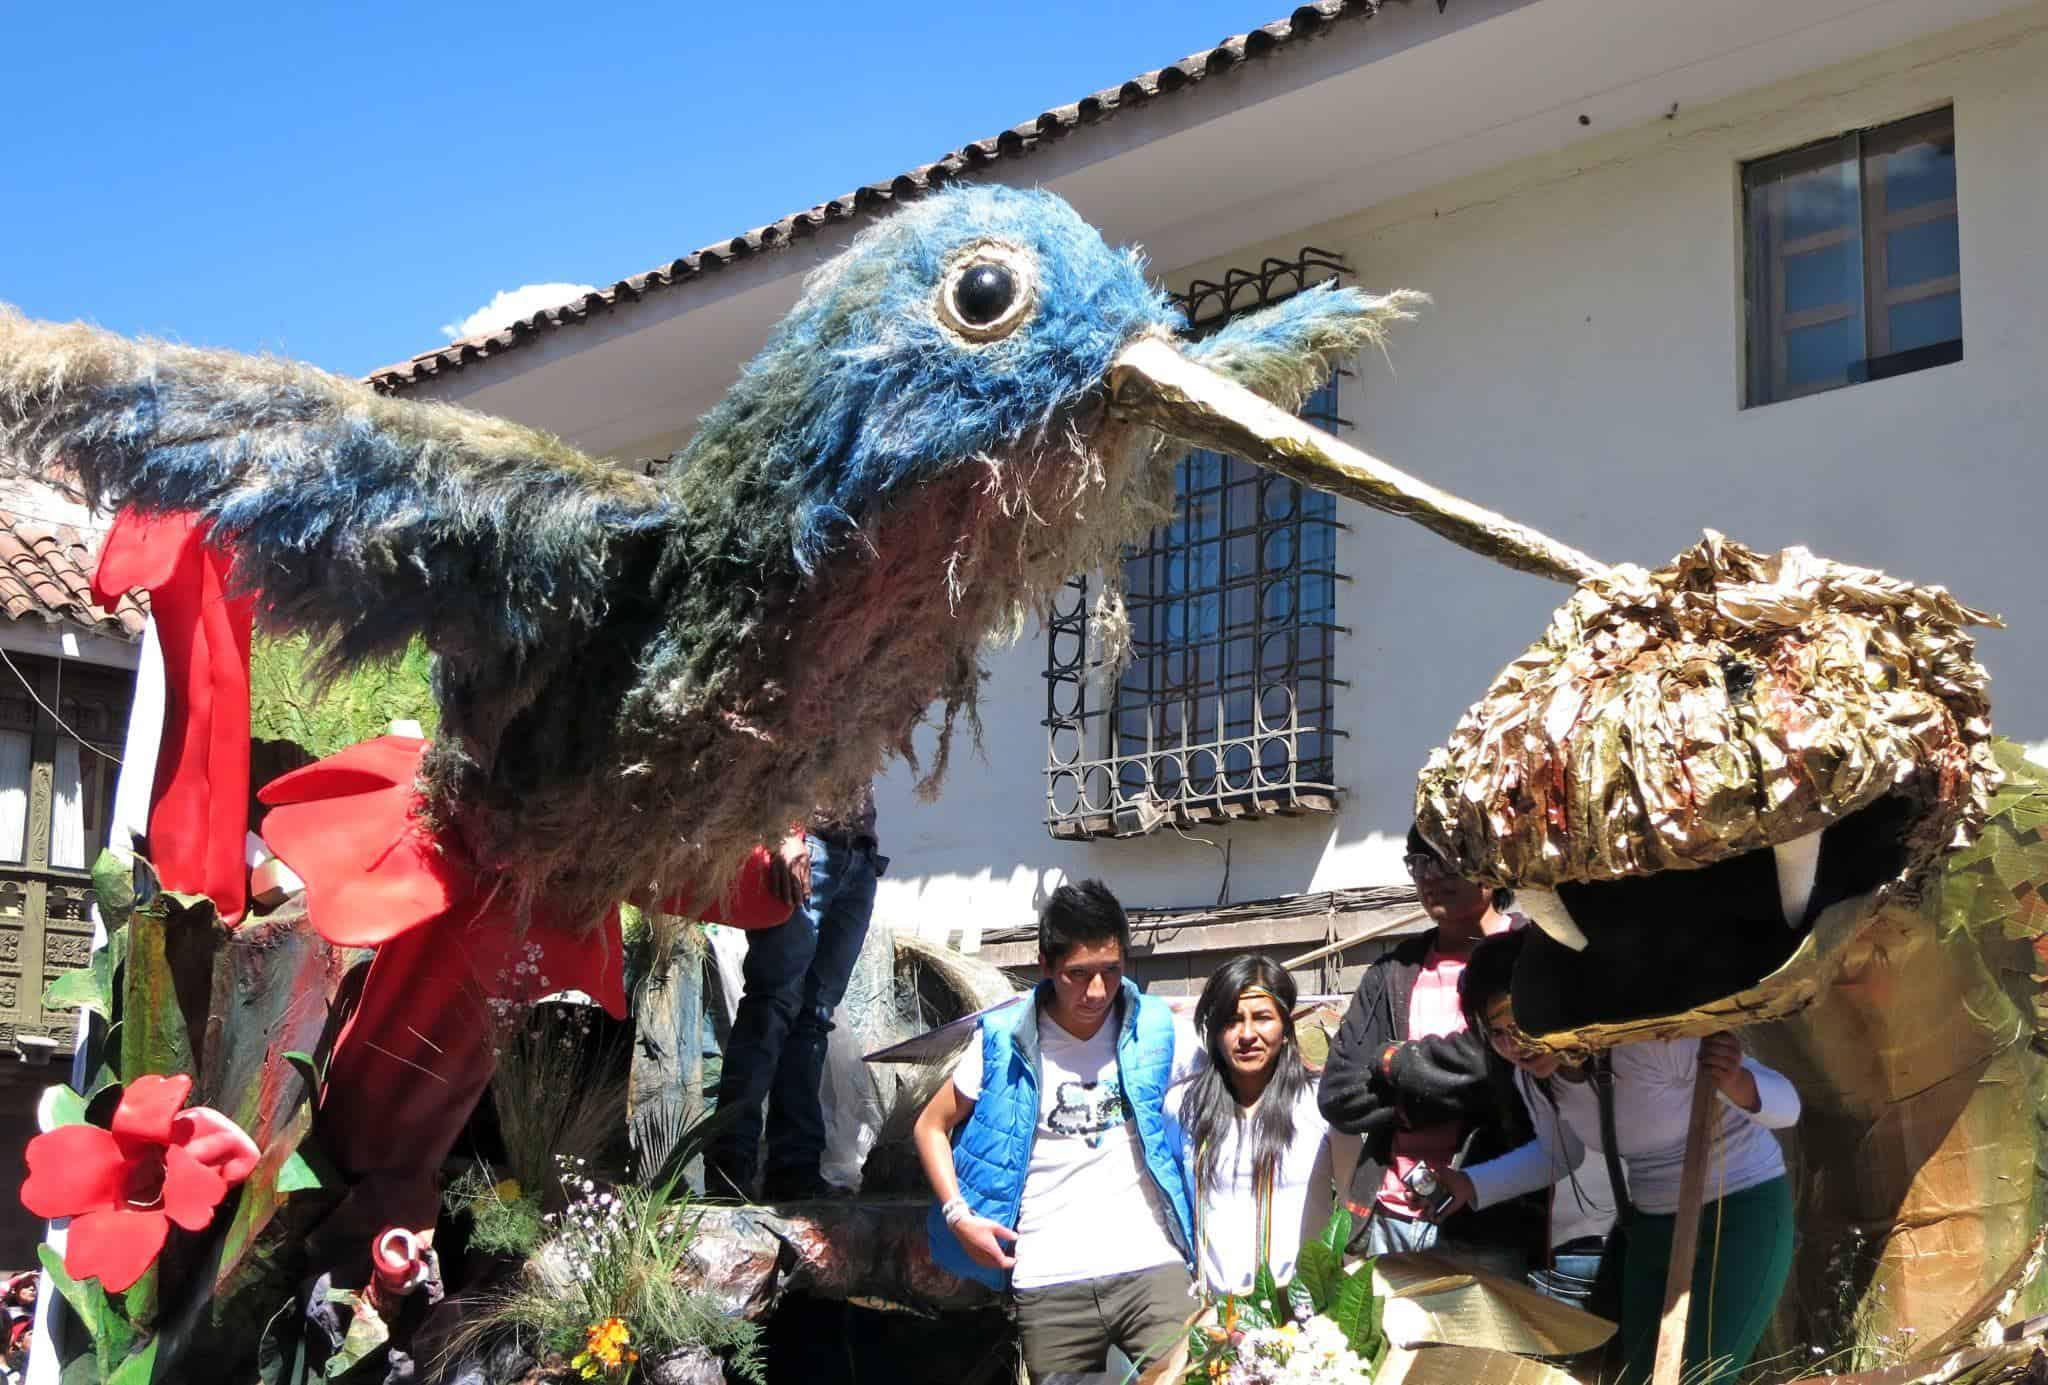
x=1581 y=370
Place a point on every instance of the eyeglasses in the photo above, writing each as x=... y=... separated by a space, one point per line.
x=1423 y=866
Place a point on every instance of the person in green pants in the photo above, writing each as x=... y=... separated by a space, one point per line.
x=1745 y=1241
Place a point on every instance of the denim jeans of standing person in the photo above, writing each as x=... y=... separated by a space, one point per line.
x=796 y=976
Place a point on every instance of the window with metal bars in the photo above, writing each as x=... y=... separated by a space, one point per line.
x=1854 y=259
x=1225 y=708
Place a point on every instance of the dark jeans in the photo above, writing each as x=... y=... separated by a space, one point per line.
x=795 y=977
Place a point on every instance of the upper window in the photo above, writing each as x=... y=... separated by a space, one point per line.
x=1224 y=708
x=1854 y=267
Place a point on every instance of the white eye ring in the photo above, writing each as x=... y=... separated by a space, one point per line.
x=1023 y=271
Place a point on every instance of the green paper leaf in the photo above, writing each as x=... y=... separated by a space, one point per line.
x=299 y=1173
x=77 y=990
x=304 y=1065
x=82 y=1369
x=367 y=1333
x=137 y=1368
x=110 y=1331
x=113 y=886
x=154 y=1035
x=61 y=1106
x=91 y=987
x=87 y=1298
x=102 y=1078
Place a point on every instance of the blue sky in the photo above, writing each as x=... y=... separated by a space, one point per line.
x=336 y=183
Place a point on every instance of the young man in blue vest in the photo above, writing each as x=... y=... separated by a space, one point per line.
x=1062 y=1188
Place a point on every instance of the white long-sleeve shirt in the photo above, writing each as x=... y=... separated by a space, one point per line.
x=1653 y=1084
x=1228 y=1220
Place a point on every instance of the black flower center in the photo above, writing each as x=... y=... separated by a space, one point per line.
x=143 y=1185
x=985 y=293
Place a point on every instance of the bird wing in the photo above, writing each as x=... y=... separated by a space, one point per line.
x=360 y=519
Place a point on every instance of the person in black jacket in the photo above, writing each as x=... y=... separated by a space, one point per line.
x=1408 y=1077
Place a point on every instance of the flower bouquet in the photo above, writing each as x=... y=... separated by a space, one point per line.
x=1323 y=1328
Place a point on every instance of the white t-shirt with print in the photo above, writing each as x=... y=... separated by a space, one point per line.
x=1090 y=1209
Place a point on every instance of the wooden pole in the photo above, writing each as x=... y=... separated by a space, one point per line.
x=1332 y=949
x=1685 y=1237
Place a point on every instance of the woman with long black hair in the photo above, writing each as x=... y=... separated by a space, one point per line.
x=1263 y=1165
x=1745 y=1247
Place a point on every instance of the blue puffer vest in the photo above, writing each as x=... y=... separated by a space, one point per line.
x=992 y=1148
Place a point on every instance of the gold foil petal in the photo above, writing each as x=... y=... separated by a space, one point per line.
x=1673 y=718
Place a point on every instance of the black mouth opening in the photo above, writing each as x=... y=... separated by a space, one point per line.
x=1660 y=944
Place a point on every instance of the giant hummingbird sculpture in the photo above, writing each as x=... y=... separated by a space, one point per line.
x=640 y=681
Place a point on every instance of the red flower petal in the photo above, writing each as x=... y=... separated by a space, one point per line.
x=345 y=824
x=148 y=1105
x=116 y=1247
x=215 y=1141
x=191 y=1190
x=73 y=1169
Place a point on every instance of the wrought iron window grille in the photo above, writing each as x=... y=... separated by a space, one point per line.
x=1225 y=709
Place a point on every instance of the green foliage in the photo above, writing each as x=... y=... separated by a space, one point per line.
x=1356 y=1312
x=614 y=1255
x=303 y=1171
x=1994 y=884
x=1271 y=1303
x=62 y=1106
x=110 y=1331
x=154 y=1036
x=1321 y=1287
x=504 y=1218
x=113 y=888
x=92 y=986
x=558 y=1095
x=290 y=700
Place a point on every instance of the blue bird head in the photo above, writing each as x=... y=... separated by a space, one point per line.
x=976 y=328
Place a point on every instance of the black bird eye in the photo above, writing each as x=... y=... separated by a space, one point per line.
x=988 y=290
x=984 y=293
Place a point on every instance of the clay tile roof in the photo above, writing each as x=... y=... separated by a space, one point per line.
x=46 y=574
x=1307 y=22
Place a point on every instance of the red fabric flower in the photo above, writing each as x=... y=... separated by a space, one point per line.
x=124 y=1187
x=412 y=1060
x=199 y=800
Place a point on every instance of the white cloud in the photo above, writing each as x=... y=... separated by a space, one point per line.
x=508 y=306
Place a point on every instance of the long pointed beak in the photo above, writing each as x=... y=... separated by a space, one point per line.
x=1164 y=389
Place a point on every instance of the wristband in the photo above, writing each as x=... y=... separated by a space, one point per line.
x=1387 y=1060
x=956 y=1211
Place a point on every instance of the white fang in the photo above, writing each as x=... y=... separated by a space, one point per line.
x=1798 y=867
x=1548 y=913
